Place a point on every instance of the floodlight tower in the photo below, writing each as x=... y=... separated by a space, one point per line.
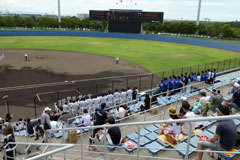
x=59 y=14
x=198 y=15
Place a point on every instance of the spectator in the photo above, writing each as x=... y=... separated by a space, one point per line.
x=86 y=118
x=30 y=127
x=100 y=119
x=9 y=137
x=198 y=77
x=234 y=101
x=65 y=108
x=39 y=130
x=21 y=124
x=146 y=103
x=189 y=114
x=161 y=86
x=182 y=112
x=54 y=124
x=216 y=101
x=120 y=112
x=123 y=96
x=225 y=136
x=203 y=100
x=113 y=134
x=129 y=94
x=165 y=128
x=117 y=60
x=135 y=93
x=45 y=120
x=8 y=118
x=116 y=97
x=165 y=87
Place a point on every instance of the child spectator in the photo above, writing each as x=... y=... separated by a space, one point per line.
x=86 y=118
x=30 y=127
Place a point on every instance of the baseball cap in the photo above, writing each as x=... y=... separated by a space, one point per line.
x=236 y=85
x=47 y=109
x=184 y=98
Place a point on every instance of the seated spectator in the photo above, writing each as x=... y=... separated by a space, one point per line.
x=146 y=103
x=234 y=101
x=216 y=101
x=197 y=108
x=54 y=124
x=9 y=137
x=21 y=124
x=175 y=127
x=225 y=136
x=120 y=112
x=189 y=114
x=135 y=93
x=39 y=130
x=86 y=118
x=181 y=112
x=203 y=98
x=112 y=135
x=30 y=127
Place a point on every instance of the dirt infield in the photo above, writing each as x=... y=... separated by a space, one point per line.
x=46 y=66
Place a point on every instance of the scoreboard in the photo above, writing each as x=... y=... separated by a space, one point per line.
x=126 y=15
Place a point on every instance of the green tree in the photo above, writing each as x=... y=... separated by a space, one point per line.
x=227 y=31
x=29 y=22
x=18 y=21
x=215 y=29
x=9 y=21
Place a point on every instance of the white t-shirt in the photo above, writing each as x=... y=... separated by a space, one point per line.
x=129 y=93
x=120 y=114
x=198 y=78
x=65 y=108
x=54 y=125
x=185 y=126
x=86 y=120
x=203 y=101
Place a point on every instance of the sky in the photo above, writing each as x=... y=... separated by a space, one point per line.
x=215 y=10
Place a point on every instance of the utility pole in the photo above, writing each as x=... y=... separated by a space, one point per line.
x=59 y=14
x=198 y=15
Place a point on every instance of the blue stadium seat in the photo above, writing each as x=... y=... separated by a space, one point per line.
x=162 y=143
x=181 y=149
x=154 y=147
x=113 y=147
x=194 y=141
x=152 y=136
x=228 y=157
x=58 y=135
x=143 y=132
x=143 y=141
x=132 y=136
x=151 y=128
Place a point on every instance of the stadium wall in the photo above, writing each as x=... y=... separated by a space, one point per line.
x=189 y=41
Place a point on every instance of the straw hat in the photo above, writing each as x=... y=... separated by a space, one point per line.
x=172 y=111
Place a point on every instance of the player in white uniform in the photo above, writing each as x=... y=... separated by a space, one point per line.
x=123 y=96
x=109 y=99
x=117 y=97
x=129 y=94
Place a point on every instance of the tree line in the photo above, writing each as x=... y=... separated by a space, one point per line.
x=213 y=29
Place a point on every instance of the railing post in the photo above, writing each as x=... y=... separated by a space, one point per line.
x=223 y=65
x=218 y=66
x=235 y=62
x=140 y=83
x=105 y=144
x=152 y=81
x=138 y=144
x=81 y=131
x=35 y=106
x=189 y=140
x=112 y=86
x=229 y=66
x=96 y=89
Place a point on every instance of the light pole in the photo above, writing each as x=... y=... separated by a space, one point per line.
x=198 y=15
x=59 y=14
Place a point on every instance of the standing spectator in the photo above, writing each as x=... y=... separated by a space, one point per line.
x=117 y=60
x=165 y=86
x=225 y=136
x=45 y=120
x=9 y=137
x=113 y=134
x=100 y=119
x=161 y=87
x=135 y=93
x=198 y=77
x=129 y=94
x=30 y=127
x=8 y=118
x=234 y=101
x=26 y=56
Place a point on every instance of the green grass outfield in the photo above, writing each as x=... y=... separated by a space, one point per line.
x=153 y=55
